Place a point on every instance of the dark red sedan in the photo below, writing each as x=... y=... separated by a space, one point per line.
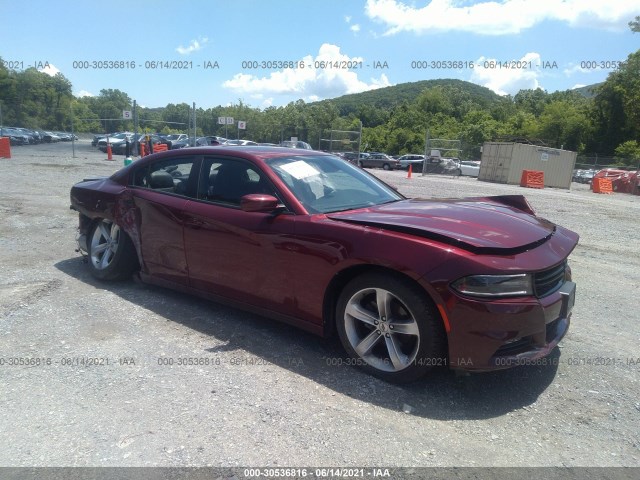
x=314 y=241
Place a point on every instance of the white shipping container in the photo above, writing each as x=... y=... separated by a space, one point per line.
x=505 y=162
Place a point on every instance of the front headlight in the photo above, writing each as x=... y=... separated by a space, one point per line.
x=495 y=286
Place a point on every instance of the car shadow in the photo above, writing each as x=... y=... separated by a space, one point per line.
x=441 y=395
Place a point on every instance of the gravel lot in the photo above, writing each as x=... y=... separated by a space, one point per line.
x=274 y=396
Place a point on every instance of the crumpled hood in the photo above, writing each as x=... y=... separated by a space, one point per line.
x=475 y=224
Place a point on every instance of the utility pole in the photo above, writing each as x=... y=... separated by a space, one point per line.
x=194 y=123
x=426 y=153
x=73 y=134
x=135 y=128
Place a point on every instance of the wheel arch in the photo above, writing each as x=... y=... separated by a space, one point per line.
x=342 y=278
x=87 y=223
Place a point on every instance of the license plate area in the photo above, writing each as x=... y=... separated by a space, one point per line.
x=568 y=295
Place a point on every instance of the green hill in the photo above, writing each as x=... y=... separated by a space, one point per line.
x=389 y=97
x=588 y=91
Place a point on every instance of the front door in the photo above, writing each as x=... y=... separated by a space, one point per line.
x=236 y=254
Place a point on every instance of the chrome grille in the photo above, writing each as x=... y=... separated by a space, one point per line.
x=550 y=280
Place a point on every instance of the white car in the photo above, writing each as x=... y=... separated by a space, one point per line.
x=412 y=159
x=469 y=168
x=240 y=142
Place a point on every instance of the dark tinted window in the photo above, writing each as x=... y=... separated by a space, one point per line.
x=176 y=176
x=227 y=181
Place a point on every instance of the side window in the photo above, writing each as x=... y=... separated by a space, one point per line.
x=176 y=176
x=227 y=181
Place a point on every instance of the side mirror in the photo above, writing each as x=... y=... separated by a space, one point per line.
x=258 y=202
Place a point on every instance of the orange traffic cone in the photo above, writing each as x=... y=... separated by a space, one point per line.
x=109 y=153
x=409 y=171
x=143 y=150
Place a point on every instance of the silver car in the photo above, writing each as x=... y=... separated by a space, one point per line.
x=379 y=160
x=412 y=159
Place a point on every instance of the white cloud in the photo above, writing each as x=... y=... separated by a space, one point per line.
x=309 y=82
x=499 y=18
x=489 y=73
x=355 y=28
x=574 y=68
x=577 y=85
x=590 y=66
x=50 y=69
x=84 y=93
x=194 y=46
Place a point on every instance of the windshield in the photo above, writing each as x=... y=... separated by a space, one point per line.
x=326 y=183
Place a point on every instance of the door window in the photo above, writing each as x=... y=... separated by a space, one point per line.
x=227 y=181
x=175 y=176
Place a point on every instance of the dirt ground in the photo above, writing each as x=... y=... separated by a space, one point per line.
x=98 y=374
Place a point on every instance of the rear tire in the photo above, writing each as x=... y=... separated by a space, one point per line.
x=112 y=255
x=390 y=328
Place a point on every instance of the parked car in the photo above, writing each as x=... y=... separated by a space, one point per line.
x=210 y=140
x=412 y=159
x=178 y=144
x=583 y=176
x=440 y=165
x=33 y=137
x=100 y=136
x=312 y=240
x=353 y=157
x=240 y=142
x=120 y=147
x=469 y=168
x=50 y=137
x=65 y=136
x=174 y=137
x=16 y=137
x=114 y=140
x=379 y=160
x=295 y=144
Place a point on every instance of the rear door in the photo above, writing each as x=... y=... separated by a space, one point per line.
x=160 y=193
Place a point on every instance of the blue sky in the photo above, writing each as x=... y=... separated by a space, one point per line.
x=560 y=44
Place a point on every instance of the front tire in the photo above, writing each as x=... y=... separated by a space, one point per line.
x=390 y=328
x=386 y=166
x=112 y=255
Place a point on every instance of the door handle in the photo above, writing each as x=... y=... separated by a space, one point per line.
x=194 y=223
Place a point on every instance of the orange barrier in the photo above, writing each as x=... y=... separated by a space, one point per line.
x=602 y=185
x=532 y=179
x=5 y=147
x=143 y=149
x=109 y=152
x=160 y=147
x=409 y=172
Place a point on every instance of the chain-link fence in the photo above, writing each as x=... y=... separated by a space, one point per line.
x=597 y=162
x=340 y=141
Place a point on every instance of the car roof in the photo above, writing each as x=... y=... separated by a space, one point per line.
x=255 y=153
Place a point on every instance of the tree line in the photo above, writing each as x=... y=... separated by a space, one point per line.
x=602 y=119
